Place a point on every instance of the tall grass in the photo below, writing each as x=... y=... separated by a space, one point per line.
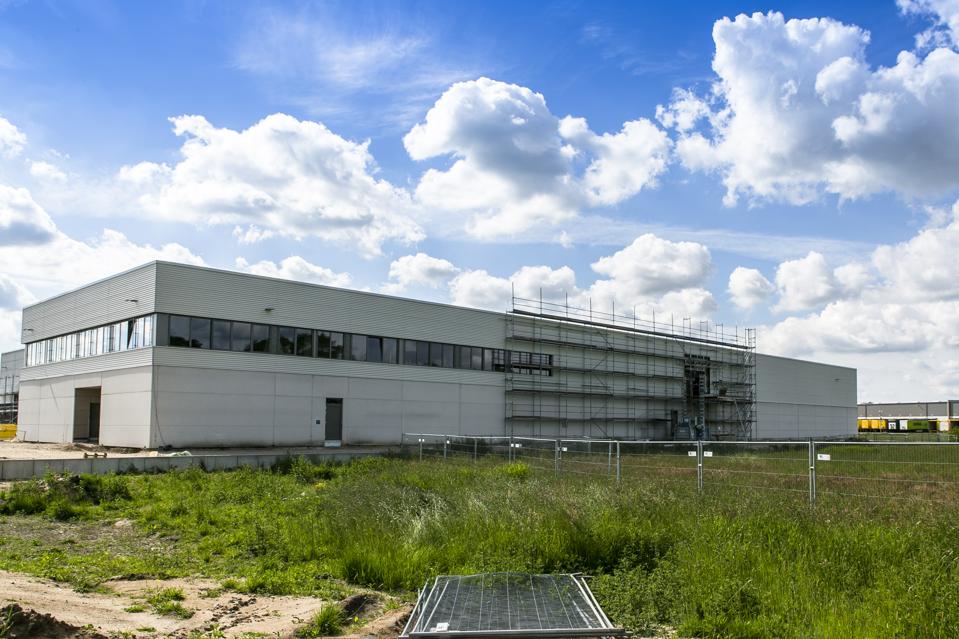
x=728 y=564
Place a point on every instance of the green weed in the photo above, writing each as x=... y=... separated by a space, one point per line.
x=728 y=563
x=326 y=623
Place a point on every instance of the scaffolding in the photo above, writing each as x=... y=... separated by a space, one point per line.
x=603 y=375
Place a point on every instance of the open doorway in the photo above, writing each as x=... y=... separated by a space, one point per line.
x=86 y=415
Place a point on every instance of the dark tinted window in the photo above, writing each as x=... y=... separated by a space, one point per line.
x=374 y=349
x=422 y=353
x=463 y=357
x=179 y=331
x=409 y=351
x=322 y=344
x=221 y=335
x=285 y=340
x=436 y=354
x=389 y=350
x=261 y=338
x=336 y=345
x=240 y=337
x=358 y=348
x=487 y=359
x=304 y=342
x=477 y=359
x=448 y=353
x=199 y=332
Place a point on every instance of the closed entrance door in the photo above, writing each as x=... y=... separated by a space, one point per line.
x=95 y=421
x=334 y=421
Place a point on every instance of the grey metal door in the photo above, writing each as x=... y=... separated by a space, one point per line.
x=95 y=420
x=334 y=419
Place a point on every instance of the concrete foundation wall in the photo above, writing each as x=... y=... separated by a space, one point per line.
x=796 y=399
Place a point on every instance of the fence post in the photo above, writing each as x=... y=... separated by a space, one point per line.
x=556 y=458
x=609 y=459
x=421 y=448
x=812 y=473
x=445 y=442
x=475 y=447
x=509 y=450
x=619 y=470
x=699 y=465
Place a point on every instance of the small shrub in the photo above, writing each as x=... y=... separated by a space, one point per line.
x=515 y=470
x=137 y=607
x=64 y=511
x=303 y=470
x=327 y=622
x=167 y=602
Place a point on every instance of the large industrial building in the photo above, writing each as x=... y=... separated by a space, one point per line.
x=176 y=355
x=10 y=365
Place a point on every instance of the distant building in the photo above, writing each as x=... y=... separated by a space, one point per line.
x=945 y=413
x=179 y=355
x=10 y=365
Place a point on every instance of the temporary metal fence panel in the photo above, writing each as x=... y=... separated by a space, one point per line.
x=813 y=470
x=888 y=470
x=777 y=466
x=508 y=604
x=536 y=452
x=433 y=445
x=670 y=461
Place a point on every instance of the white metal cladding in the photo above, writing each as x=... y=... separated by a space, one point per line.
x=229 y=360
x=203 y=292
x=798 y=398
x=93 y=305
x=95 y=364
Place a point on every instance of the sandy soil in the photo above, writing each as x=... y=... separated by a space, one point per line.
x=231 y=613
x=10 y=449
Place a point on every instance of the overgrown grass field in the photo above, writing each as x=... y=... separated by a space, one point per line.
x=727 y=564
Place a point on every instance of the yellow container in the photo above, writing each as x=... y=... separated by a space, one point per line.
x=8 y=431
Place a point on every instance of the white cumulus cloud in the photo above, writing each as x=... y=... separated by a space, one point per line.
x=748 y=287
x=796 y=112
x=516 y=166
x=22 y=220
x=420 y=269
x=295 y=268
x=292 y=177
x=12 y=139
x=46 y=171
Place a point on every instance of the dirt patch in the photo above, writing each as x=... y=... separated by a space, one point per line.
x=17 y=623
x=13 y=449
x=127 y=612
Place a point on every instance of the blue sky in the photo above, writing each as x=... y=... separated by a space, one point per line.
x=815 y=161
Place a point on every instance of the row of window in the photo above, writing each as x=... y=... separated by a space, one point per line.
x=196 y=332
x=120 y=336
x=226 y=335
x=206 y=333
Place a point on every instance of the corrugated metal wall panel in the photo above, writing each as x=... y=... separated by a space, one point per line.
x=221 y=294
x=93 y=305
x=97 y=364
x=262 y=362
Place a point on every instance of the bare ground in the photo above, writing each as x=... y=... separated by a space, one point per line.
x=13 y=449
x=233 y=614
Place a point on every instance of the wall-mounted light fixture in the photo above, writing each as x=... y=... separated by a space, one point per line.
x=268 y=309
x=132 y=299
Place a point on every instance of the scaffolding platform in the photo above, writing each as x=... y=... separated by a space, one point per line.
x=605 y=375
x=508 y=604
